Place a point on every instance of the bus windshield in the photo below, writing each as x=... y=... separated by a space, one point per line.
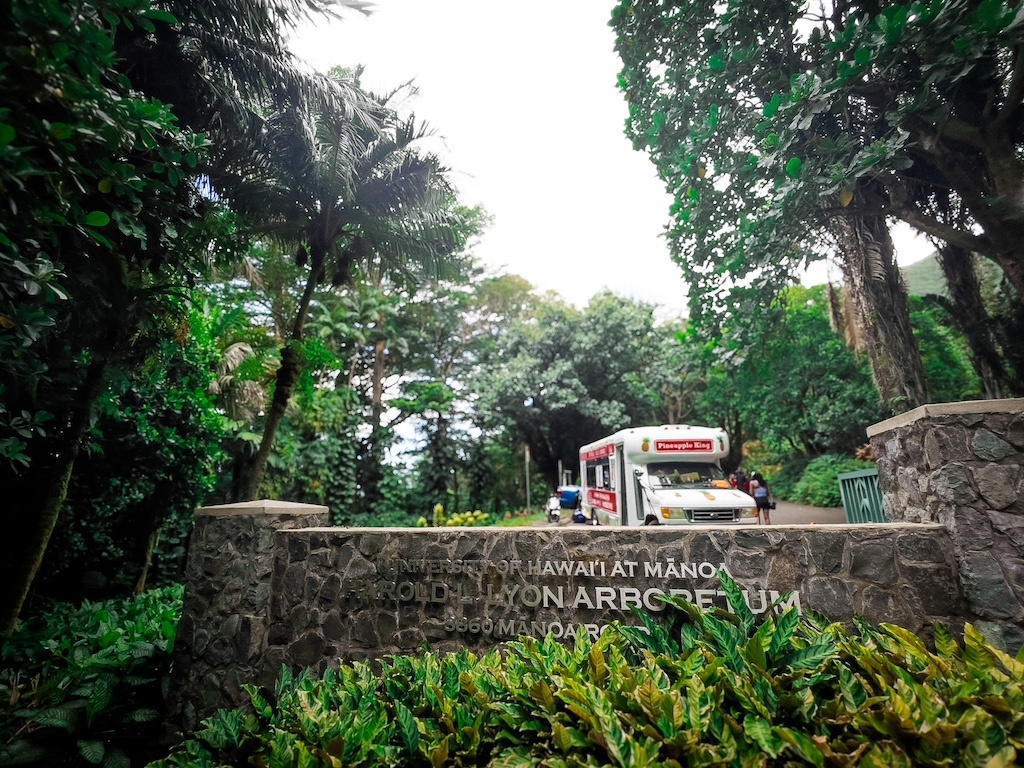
x=683 y=474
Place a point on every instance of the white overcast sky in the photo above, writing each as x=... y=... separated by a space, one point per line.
x=524 y=97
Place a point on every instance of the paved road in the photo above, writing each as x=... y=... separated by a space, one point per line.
x=786 y=513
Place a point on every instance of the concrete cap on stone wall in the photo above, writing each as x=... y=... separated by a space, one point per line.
x=262 y=507
x=1013 y=405
x=625 y=530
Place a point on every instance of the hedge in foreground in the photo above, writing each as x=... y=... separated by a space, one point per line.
x=85 y=684
x=702 y=688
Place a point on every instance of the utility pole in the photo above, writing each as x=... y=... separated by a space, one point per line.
x=527 y=455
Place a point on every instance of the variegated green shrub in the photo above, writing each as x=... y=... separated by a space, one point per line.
x=693 y=688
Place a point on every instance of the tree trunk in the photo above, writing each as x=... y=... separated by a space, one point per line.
x=732 y=423
x=438 y=475
x=972 y=319
x=284 y=383
x=377 y=384
x=1013 y=269
x=147 y=561
x=883 y=310
x=28 y=530
x=146 y=520
x=374 y=459
x=985 y=171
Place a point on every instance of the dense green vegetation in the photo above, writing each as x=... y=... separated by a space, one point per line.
x=87 y=684
x=788 y=133
x=83 y=685
x=695 y=688
x=819 y=484
x=223 y=277
x=255 y=281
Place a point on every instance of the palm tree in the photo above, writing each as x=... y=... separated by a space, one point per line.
x=220 y=63
x=343 y=193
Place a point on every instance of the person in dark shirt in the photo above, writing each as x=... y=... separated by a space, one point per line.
x=742 y=482
x=759 y=490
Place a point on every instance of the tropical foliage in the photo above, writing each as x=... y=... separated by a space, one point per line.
x=564 y=377
x=115 y=211
x=700 y=688
x=800 y=390
x=151 y=457
x=343 y=194
x=223 y=276
x=252 y=280
x=819 y=483
x=100 y=225
x=788 y=132
x=86 y=684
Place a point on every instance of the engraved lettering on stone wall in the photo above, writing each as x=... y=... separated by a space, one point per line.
x=609 y=588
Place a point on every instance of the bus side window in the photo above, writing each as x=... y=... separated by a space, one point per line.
x=597 y=475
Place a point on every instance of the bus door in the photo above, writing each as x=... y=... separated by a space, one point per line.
x=600 y=473
x=624 y=486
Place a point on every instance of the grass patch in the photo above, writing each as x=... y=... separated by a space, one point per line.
x=521 y=519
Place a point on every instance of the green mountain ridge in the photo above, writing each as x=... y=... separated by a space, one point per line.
x=925 y=277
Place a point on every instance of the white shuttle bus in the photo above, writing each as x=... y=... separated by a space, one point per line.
x=667 y=475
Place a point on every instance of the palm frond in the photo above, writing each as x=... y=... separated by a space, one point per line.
x=259 y=18
x=351 y=192
x=233 y=356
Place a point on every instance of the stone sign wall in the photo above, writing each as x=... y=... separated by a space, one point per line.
x=222 y=633
x=267 y=585
x=962 y=465
x=262 y=593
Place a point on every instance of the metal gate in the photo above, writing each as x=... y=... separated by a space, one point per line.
x=862 y=498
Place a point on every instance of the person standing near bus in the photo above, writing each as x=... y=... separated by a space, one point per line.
x=741 y=481
x=759 y=490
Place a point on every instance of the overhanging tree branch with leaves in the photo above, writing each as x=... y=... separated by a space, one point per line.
x=778 y=128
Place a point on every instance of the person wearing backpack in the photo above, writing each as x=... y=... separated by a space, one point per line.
x=741 y=481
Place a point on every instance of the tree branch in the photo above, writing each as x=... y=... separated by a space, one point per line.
x=932 y=226
x=1014 y=93
x=953 y=128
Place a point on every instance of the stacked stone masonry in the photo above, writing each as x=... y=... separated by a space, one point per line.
x=263 y=597
x=267 y=585
x=962 y=465
x=222 y=635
